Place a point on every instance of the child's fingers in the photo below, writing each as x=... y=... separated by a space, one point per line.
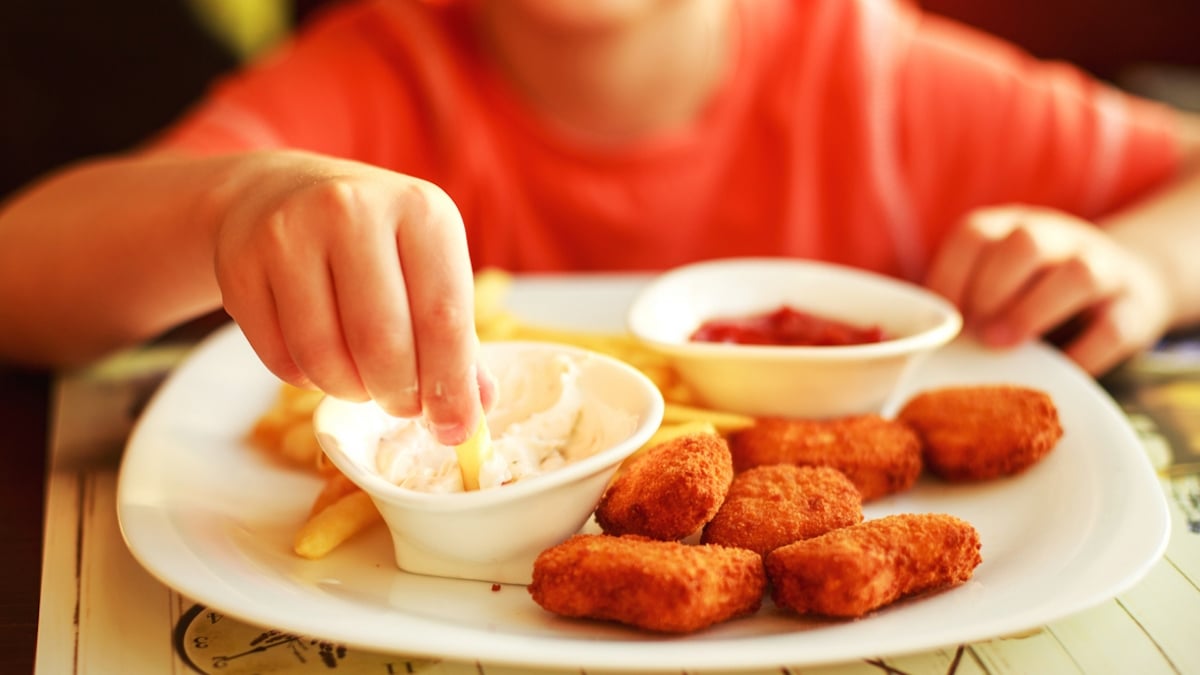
x=950 y=271
x=1098 y=346
x=440 y=283
x=1060 y=293
x=249 y=300
x=956 y=262
x=488 y=387
x=302 y=285
x=1004 y=268
x=373 y=304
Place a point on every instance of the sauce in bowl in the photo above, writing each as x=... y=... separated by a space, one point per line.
x=786 y=326
x=543 y=420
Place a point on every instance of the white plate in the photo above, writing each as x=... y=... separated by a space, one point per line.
x=213 y=518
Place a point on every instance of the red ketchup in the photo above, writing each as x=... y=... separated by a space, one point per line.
x=786 y=326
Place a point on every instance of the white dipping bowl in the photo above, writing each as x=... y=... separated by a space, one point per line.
x=791 y=381
x=492 y=534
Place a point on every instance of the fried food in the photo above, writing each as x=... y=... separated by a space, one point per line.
x=880 y=456
x=776 y=504
x=670 y=491
x=494 y=321
x=851 y=571
x=326 y=529
x=285 y=430
x=337 y=485
x=663 y=586
x=980 y=432
x=473 y=453
x=678 y=413
x=667 y=432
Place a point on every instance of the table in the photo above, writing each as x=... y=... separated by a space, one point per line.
x=101 y=613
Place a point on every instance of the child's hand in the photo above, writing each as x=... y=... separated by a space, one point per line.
x=1019 y=272
x=356 y=280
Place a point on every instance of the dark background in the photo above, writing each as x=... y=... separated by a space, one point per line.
x=83 y=77
x=1108 y=37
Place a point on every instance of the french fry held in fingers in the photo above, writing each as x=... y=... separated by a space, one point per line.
x=330 y=527
x=473 y=452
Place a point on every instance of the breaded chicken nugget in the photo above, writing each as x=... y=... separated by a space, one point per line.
x=979 y=432
x=769 y=506
x=878 y=455
x=670 y=491
x=664 y=586
x=854 y=570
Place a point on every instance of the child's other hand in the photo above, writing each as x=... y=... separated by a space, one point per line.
x=355 y=280
x=1019 y=272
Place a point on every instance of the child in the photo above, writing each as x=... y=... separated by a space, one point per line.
x=334 y=197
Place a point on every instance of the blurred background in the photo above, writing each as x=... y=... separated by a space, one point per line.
x=83 y=77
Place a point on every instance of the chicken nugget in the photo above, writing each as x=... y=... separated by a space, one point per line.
x=670 y=491
x=880 y=456
x=980 y=432
x=769 y=506
x=664 y=586
x=854 y=570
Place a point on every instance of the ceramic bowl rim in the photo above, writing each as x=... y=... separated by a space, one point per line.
x=945 y=330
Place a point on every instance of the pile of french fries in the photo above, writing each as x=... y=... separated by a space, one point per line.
x=341 y=510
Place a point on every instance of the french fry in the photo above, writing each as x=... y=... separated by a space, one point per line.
x=285 y=430
x=500 y=326
x=336 y=487
x=298 y=444
x=725 y=422
x=472 y=453
x=494 y=322
x=491 y=287
x=300 y=402
x=678 y=393
x=619 y=345
x=333 y=525
x=668 y=432
x=269 y=427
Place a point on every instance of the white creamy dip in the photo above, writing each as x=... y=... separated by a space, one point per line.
x=542 y=420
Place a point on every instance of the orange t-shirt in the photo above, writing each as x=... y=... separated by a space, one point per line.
x=854 y=131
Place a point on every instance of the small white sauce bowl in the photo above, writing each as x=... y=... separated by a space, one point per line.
x=493 y=534
x=791 y=381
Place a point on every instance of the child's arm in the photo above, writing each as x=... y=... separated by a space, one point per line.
x=1165 y=229
x=345 y=276
x=1019 y=272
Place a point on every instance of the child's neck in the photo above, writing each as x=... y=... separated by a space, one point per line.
x=619 y=82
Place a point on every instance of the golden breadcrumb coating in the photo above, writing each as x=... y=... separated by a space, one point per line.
x=670 y=491
x=851 y=571
x=980 y=432
x=777 y=504
x=880 y=456
x=664 y=586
